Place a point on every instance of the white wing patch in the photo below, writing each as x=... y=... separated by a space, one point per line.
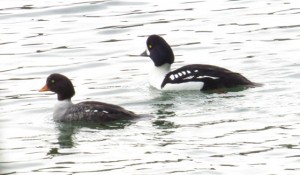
x=90 y=110
x=179 y=74
x=172 y=77
x=186 y=79
x=188 y=72
x=189 y=77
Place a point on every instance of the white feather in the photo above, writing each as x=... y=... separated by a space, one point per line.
x=157 y=75
x=61 y=108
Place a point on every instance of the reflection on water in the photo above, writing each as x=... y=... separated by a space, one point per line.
x=97 y=44
x=67 y=131
x=65 y=135
x=164 y=109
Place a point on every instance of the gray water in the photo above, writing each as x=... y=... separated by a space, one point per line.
x=97 y=44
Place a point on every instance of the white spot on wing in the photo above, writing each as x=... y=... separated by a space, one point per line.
x=180 y=74
x=105 y=112
x=172 y=77
x=189 y=77
x=208 y=77
x=188 y=71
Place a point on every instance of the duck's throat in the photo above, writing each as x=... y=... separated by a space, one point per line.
x=157 y=75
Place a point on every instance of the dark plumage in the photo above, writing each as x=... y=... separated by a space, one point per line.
x=213 y=77
x=94 y=111
x=209 y=77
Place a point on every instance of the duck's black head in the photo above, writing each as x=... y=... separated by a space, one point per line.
x=61 y=85
x=160 y=51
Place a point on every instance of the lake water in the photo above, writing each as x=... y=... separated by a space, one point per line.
x=98 y=44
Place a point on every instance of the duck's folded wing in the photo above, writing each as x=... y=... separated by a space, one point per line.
x=98 y=111
x=205 y=73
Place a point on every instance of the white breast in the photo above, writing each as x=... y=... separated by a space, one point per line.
x=157 y=75
x=60 y=109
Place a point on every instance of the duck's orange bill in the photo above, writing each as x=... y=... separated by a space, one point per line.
x=45 y=88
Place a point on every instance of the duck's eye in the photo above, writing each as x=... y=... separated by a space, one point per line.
x=52 y=81
x=150 y=46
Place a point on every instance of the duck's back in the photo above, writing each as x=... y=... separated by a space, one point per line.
x=213 y=77
x=97 y=112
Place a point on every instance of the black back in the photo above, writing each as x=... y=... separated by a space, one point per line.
x=213 y=77
x=98 y=112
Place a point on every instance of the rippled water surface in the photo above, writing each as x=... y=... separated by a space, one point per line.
x=98 y=44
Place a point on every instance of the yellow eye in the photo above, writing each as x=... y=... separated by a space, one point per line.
x=150 y=46
x=52 y=81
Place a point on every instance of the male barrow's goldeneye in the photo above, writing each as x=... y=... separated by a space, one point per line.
x=189 y=77
x=93 y=111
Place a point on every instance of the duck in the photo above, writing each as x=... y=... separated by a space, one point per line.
x=91 y=111
x=201 y=77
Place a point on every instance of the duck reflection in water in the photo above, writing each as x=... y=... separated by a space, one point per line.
x=68 y=131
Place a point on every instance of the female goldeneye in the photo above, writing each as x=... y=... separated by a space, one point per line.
x=189 y=77
x=94 y=111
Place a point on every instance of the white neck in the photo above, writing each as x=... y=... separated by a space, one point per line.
x=61 y=108
x=157 y=75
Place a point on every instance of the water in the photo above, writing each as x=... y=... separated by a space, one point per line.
x=97 y=44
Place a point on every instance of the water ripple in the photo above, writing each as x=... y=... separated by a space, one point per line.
x=97 y=44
